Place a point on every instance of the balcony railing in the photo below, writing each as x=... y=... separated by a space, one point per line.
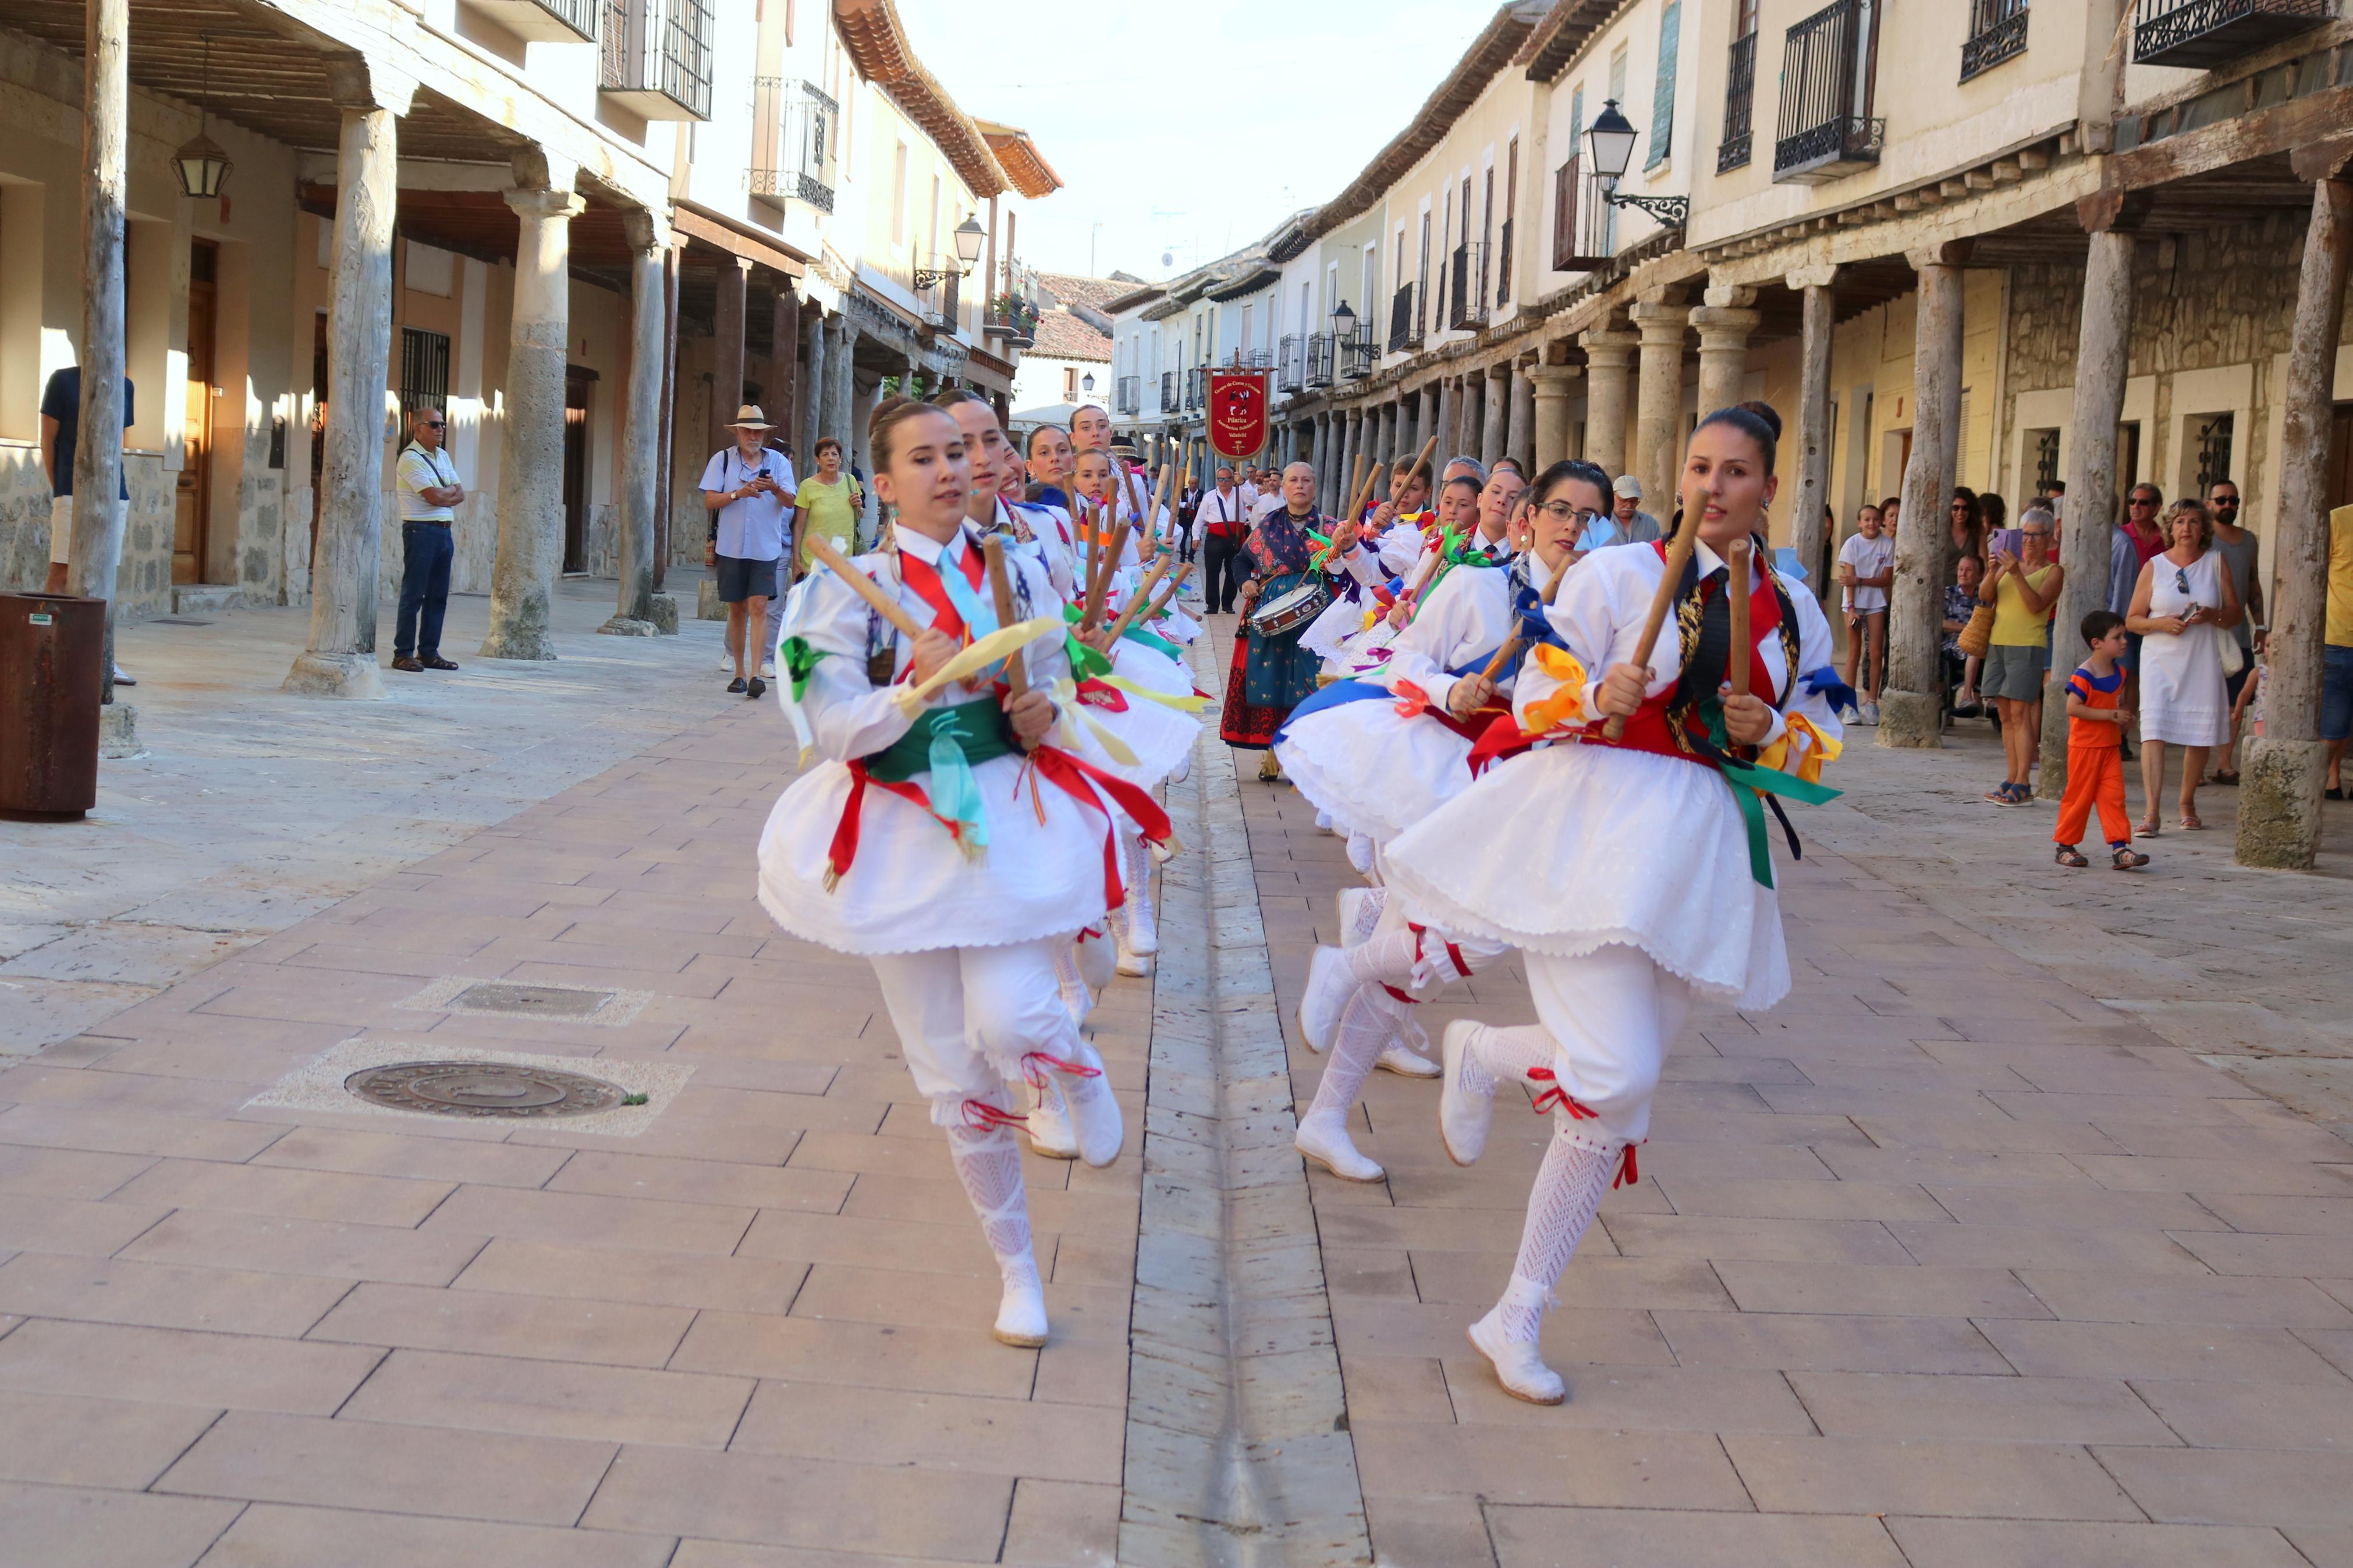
x=2201 y=33
x=1504 y=267
x=657 y=58
x=1828 y=71
x=1739 y=107
x=794 y=140
x=1292 y=365
x=1997 y=33
x=1358 y=352
x=541 y=21
x=1168 y=391
x=1130 y=398
x=1196 y=387
x=1401 y=319
x=1319 y=359
x=1469 y=311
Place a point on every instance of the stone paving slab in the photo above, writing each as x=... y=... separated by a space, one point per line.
x=1943 y=1262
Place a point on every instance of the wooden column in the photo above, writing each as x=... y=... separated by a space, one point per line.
x=785 y=355
x=633 y=532
x=727 y=350
x=96 y=547
x=1807 y=530
x=1908 y=707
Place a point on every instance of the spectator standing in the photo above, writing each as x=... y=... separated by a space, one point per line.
x=2183 y=607
x=2336 y=651
x=2241 y=552
x=1635 y=526
x=2096 y=730
x=1223 y=518
x=429 y=492
x=60 y=443
x=1866 y=566
x=826 y=506
x=1969 y=529
x=2023 y=588
x=1961 y=603
x=746 y=488
x=1188 y=500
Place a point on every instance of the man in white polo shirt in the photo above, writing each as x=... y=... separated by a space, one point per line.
x=427 y=482
x=750 y=489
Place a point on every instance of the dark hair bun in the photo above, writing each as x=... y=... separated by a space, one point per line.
x=1765 y=411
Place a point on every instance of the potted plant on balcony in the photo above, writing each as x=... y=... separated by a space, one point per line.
x=1011 y=316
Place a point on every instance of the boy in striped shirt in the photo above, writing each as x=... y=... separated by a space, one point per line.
x=2096 y=733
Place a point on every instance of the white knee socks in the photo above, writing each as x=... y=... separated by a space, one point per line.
x=1368 y=1024
x=1561 y=1205
x=1506 y=1056
x=988 y=1162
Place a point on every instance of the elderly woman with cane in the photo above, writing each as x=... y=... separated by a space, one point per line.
x=1627 y=860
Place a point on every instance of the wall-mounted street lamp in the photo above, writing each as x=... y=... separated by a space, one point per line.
x=1343 y=320
x=1612 y=138
x=969 y=238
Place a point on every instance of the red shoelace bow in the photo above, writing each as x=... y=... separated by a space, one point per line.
x=983 y=1117
x=1036 y=1075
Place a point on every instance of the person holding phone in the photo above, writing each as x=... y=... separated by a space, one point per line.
x=2183 y=607
x=749 y=490
x=2023 y=585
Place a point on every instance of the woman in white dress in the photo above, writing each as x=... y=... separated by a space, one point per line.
x=1631 y=873
x=928 y=843
x=2183 y=607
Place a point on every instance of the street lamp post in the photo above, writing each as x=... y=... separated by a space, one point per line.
x=1612 y=138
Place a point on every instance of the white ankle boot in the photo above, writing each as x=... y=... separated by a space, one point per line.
x=1096 y=1126
x=1049 y=1129
x=1465 y=1110
x=1324 y=1140
x=1408 y=1055
x=1519 y=1367
x=1021 y=1313
x=1360 y=911
x=1330 y=984
x=1142 y=935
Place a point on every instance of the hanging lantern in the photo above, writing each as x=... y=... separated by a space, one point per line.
x=203 y=164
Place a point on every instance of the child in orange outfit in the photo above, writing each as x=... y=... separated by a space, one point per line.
x=2096 y=733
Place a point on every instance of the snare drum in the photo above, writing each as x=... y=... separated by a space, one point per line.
x=1291 y=610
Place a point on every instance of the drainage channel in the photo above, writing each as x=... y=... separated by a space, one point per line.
x=1238 y=1448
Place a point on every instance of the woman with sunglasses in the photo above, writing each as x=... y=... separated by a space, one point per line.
x=2023 y=588
x=1383 y=752
x=1630 y=868
x=2183 y=607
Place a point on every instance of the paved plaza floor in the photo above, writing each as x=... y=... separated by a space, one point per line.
x=1947 y=1261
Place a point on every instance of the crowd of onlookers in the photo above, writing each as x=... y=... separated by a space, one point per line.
x=2183 y=608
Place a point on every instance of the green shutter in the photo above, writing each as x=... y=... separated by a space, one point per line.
x=1662 y=100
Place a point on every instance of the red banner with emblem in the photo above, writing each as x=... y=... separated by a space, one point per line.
x=1237 y=413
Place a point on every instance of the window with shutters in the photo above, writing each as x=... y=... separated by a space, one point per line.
x=1510 y=209
x=1663 y=96
x=1421 y=294
x=1564 y=183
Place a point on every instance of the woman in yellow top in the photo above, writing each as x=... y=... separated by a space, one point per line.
x=2021 y=588
x=828 y=505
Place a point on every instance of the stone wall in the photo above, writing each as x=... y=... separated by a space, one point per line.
x=143 y=584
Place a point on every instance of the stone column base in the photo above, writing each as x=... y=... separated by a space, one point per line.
x=665 y=615
x=622 y=627
x=1908 y=719
x=518 y=642
x=2279 y=802
x=118 y=731
x=335 y=675
x=708 y=606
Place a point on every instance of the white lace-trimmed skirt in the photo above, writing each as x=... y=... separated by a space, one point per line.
x=1568 y=849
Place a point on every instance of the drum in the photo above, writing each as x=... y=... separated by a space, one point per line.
x=1291 y=610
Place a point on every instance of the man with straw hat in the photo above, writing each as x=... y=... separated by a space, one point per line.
x=749 y=489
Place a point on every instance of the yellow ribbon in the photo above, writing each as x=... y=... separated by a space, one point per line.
x=1820 y=749
x=996 y=646
x=1191 y=703
x=1565 y=709
x=1066 y=694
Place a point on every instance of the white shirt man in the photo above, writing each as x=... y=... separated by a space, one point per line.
x=749 y=492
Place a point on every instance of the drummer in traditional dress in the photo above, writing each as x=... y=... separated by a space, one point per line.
x=1271 y=674
x=928 y=843
x=1626 y=860
x=1382 y=754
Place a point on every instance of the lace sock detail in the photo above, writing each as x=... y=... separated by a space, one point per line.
x=1077 y=997
x=1507 y=1055
x=1561 y=1205
x=1383 y=960
x=988 y=1164
x=1368 y=1022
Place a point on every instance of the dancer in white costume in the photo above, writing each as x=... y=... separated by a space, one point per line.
x=1631 y=871
x=1380 y=766
x=927 y=843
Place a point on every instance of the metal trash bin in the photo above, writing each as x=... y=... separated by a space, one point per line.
x=51 y=648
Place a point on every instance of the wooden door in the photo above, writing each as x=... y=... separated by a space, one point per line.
x=575 y=470
x=192 y=497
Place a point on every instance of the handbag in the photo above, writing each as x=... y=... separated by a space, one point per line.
x=1977 y=638
x=2234 y=658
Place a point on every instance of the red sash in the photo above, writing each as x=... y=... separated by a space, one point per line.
x=924 y=579
x=1646 y=729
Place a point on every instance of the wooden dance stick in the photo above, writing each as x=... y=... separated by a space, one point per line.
x=1151 y=535
x=1514 y=643
x=1151 y=580
x=1136 y=605
x=884 y=605
x=1017 y=663
x=1421 y=463
x=1102 y=583
x=1678 y=556
x=1736 y=608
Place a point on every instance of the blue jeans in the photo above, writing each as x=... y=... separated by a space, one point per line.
x=2335 y=692
x=425 y=552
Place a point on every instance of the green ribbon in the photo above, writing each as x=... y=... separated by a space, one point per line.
x=975 y=729
x=1086 y=664
x=800 y=662
x=1749 y=783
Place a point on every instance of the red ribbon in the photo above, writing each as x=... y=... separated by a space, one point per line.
x=1096 y=694
x=844 y=849
x=1072 y=776
x=983 y=1117
x=1412 y=701
x=1559 y=1099
x=1628 y=1175
x=1501 y=739
x=1037 y=1074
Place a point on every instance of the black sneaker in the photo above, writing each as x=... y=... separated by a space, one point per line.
x=759 y=686
x=735 y=685
x=411 y=664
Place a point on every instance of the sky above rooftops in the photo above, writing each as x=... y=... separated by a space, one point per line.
x=1186 y=131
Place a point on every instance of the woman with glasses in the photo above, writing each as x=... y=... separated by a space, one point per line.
x=2183 y=607
x=1629 y=866
x=2023 y=588
x=1382 y=754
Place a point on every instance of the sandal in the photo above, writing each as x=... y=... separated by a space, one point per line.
x=2334 y=791
x=2005 y=795
x=2149 y=828
x=2126 y=859
x=2068 y=854
x=2226 y=780
x=2191 y=823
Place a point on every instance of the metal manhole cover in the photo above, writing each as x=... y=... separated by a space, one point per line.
x=483 y=1089
x=534 y=1000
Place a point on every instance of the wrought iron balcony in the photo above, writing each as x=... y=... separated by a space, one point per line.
x=1196 y=387
x=1739 y=107
x=1827 y=72
x=794 y=139
x=1401 y=332
x=1997 y=33
x=658 y=60
x=1292 y=363
x=1168 y=392
x=1319 y=359
x=2202 y=32
x=1470 y=307
x=1358 y=352
x=541 y=21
